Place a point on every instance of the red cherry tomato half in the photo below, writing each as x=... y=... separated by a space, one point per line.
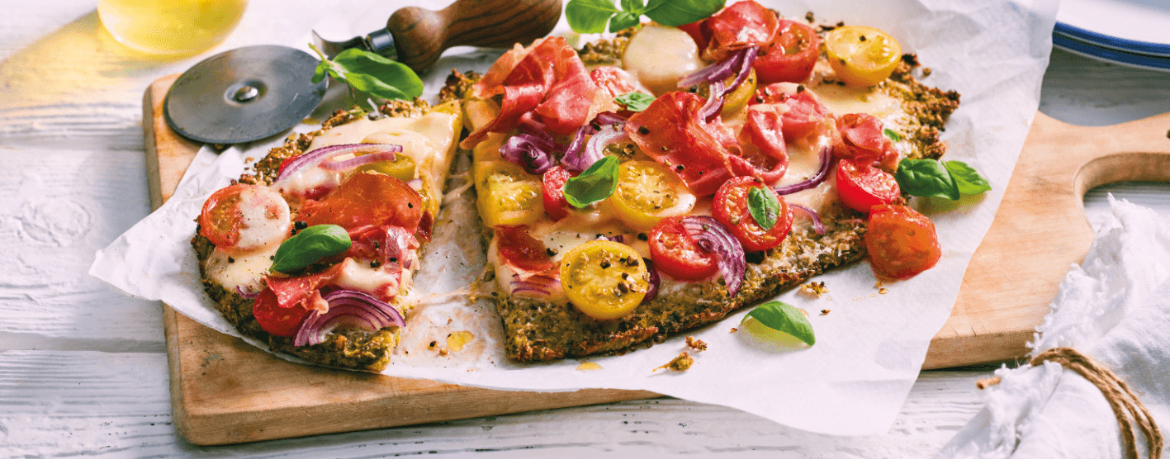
x=676 y=253
x=220 y=219
x=862 y=186
x=791 y=56
x=277 y=320
x=553 y=192
x=731 y=209
x=521 y=250
x=901 y=242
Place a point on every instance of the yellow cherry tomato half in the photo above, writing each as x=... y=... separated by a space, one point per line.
x=402 y=167
x=604 y=279
x=507 y=194
x=736 y=100
x=862 y=56
x=648 y=192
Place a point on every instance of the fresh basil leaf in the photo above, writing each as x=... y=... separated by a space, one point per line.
x=378 y=75
x=893 y=135
x=786 y=318
x=589 y=16
x=926 y=177
x=595 y=184
x=635 y=101
x=967 y=178
x=309 y=246
x=764 y=207
x=635 y=7
x=622 y=21
x=674 y=13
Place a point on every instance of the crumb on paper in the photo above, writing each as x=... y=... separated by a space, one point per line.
x=588 y=366
x=883 y=290
x=250 y=159
x=814 y=289
x=810 y=17
x=681 y=363
x=877 y=284
x=432 y=345
x=825 y=311
x=443 y=352
x=733 y=329
x=696 y=344
x=456 y=340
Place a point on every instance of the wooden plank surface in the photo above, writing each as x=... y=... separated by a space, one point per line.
x=1005 y=294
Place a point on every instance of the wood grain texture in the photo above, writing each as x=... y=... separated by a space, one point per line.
x=421 y=35
x=1005 y=294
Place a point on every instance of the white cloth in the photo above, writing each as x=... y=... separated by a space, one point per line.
x=1115 y=308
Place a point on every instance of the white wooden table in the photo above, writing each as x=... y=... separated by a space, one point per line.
x=83 y=368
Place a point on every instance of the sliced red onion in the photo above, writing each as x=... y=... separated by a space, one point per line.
x=715 y=72
x=812 y=214
x=540 y=285
x=358 y=161
x=747 y=57
x=714 y=105
x=348 y=308
x=621 y=238
x=655 y=280
x=713 y=237
x=249 y=295
x=529 y=152
x=817 y=179
x=609 y=118
x=595 y=148
x=315 y=157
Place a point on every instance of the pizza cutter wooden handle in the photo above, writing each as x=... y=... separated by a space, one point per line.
x=421 y=35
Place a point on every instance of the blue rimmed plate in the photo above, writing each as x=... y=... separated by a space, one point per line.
x=1139 y=27
x=1109 y=54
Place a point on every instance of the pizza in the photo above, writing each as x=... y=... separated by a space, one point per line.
x=654 y=182
x=313 y=251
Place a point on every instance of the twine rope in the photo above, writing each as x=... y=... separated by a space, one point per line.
x=1131 y=415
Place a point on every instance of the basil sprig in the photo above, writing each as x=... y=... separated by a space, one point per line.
x=371 y=73
x=950 y=179
x=590 y=16
x=764 y=207
x=595 y=184
x=308 y=246
x=634 y=101
x=785 y=318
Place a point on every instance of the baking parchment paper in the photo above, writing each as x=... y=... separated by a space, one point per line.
x=869 y=348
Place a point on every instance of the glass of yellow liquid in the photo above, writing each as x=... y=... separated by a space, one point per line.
x=170 y=26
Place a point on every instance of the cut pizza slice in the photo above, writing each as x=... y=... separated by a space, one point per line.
x=313 y=252
x=656 y=182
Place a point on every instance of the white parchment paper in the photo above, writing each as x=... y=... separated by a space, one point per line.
x=869 y=348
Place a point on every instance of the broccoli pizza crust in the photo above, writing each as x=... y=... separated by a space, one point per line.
x=528 y=241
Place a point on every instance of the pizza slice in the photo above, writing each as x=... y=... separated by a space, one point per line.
x=655 y=182
x=313 y=252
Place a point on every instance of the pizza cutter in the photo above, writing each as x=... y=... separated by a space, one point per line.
x=255 y=92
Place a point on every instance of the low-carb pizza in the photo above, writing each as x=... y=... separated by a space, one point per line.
x=657 y=181
x=313 y=251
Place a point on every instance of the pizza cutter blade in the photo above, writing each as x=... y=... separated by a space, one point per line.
x=243 y=95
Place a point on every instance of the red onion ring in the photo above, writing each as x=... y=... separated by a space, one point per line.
x=530 y=152
x=712 y=237
x=347 y=307
x=540 y=285
x=812 y=214
x=358 y=161
x=817 y=179
x=315 y=157
x=248 y=295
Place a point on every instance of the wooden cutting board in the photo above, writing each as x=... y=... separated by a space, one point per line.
x=224 y=390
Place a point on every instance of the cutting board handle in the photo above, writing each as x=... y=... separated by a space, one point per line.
x=421 y=35
x=1041 y=229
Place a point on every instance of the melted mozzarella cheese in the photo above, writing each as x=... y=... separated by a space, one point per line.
x=244 y=272
x=428 y=140
x=380 y=282
x=661 y=56
x=264 y=219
